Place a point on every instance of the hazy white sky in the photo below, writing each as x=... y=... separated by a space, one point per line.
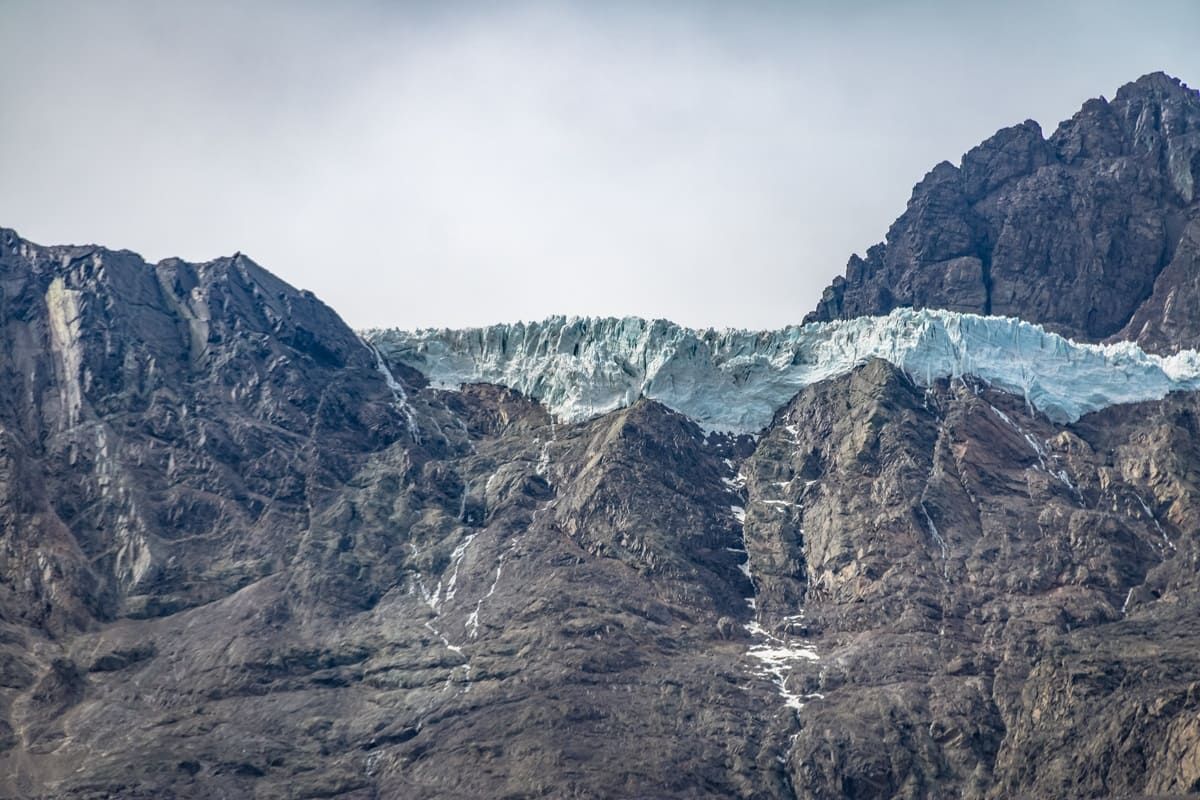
x=466 y=163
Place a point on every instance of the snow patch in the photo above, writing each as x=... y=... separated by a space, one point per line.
x=937 y=537
x=776 y=657
x=1166 y=539
x=399 y=396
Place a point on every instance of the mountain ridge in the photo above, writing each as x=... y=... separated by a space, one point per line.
x=244 y=552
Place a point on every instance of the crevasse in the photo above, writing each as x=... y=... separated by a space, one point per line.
x=735 y=380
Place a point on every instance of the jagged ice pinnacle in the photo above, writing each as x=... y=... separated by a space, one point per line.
x=735 y=380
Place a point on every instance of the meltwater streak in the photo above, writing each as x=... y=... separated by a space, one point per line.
x=732 y=380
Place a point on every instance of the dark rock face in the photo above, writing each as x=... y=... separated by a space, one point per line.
x=1094 y=232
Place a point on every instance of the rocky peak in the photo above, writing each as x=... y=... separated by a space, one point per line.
x=1009 y=154
x=1089 y=232
x=1155 y=117
x=155 y=409
x=1155 y=90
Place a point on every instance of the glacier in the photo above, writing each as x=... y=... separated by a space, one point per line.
x=735 y=380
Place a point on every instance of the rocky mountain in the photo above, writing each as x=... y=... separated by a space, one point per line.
x=245 y=552
x=1093 y=232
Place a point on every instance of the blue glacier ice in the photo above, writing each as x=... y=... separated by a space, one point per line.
x=735 y=380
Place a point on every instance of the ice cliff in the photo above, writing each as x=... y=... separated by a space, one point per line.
x=733 y=380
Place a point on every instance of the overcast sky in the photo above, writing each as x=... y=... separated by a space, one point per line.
x=459 y=163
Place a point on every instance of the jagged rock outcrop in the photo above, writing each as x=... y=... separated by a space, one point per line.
x=1092 y=232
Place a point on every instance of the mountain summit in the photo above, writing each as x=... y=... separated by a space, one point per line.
x=1093 y=232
